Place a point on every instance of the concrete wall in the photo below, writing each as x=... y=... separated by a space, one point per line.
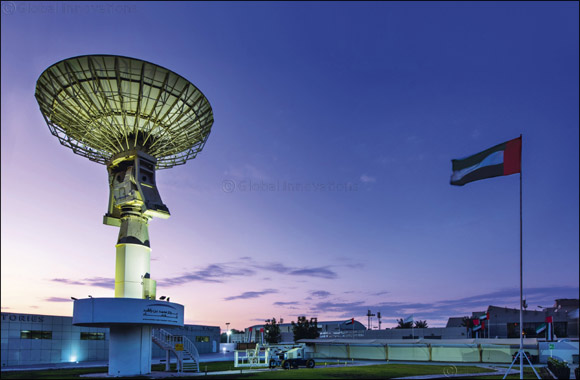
x=415 y=352
x=368 y=352
x=468 y=350
x=228 y=347
x=330 y=351
x=455 y=353
x=492 y=353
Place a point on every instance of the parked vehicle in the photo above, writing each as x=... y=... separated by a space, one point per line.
x=290 y=359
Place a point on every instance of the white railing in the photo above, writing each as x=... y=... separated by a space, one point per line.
x=190 y=348
x=168 y=342
x=252 y=358
x=164 y=337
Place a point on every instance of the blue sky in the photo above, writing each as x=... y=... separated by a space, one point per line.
x=323 y=189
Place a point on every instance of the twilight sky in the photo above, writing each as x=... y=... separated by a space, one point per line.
x=323 y=189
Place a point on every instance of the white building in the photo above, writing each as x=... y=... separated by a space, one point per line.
x=43 y=339
x=326 y=329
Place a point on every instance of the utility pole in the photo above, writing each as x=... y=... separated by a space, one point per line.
x=369 y=315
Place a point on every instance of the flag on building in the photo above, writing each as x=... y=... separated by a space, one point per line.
x=502 y=159
x=476 y=327
x=540 y=328
x=484 y=317
x=476 y=322
x=409 y=319
x=550 y=323
x=349 y=322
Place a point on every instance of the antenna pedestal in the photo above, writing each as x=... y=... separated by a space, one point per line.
x=135 y=117
x=130 y=345
x=133 y=257
x=132 y=263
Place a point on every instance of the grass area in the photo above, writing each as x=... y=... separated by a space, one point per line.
x=382 y=371
x=203 y=367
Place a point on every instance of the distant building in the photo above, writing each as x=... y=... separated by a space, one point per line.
x=504 y=322
x=567 y=304
x=425 y=333
x=455 y=322
x=327 y=329
x=238 y=338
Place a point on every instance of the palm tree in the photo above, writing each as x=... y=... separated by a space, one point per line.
x=403 y=325
x=421 y=324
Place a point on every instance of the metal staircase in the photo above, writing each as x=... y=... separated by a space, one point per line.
x=187 y=360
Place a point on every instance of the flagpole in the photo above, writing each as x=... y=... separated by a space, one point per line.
x=521 y=277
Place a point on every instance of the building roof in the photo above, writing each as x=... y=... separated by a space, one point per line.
x=455 y=322
x=567 y=303
x=320 y=323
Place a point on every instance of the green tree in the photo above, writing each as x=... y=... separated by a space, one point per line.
x=403 y=325
x=272 y=330
x=421 y=324
x=305 y=329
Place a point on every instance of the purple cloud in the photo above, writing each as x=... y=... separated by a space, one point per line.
x=248 y=295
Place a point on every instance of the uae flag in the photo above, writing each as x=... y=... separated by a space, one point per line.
x=540 y=328
x=349 y=322
x=550 y=323
x=502 y=159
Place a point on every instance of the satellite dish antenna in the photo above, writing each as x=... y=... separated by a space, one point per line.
x=131 y=115
x=135 y=117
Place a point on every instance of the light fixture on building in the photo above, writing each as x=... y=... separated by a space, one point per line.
x=162 y=298
x=74 y=299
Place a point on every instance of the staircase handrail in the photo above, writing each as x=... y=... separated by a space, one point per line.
x=164 y=337
x=191 y=349
x=168 y=339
